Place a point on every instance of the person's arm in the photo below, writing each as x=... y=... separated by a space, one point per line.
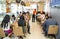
x=10 y=34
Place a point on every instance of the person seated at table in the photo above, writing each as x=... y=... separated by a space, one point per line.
x=38 y=16
x=8 y=32
x=49 y=21
x=42 y=17
x=13 y=18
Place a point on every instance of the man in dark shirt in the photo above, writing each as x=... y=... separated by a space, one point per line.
x=21 y=22
x=5 y=21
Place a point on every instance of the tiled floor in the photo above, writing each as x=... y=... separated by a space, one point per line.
x=36 y=32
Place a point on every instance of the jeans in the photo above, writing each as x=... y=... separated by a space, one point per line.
x=33 y=18
x=4 y=25
x=24 y=29
x=28 y=26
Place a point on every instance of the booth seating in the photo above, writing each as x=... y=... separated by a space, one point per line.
x=17 y=31
x=14 y=24
x=53 y=30
x=2 y=34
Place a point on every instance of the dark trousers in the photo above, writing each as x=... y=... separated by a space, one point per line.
x=45 y=33
x=33 y=18
x=24 y=29
x=28 y=27
x=4 y=25
x=23 y=25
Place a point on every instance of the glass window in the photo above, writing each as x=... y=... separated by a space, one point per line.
x=2 y=9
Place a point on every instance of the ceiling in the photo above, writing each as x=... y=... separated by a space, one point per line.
x=30 y=0
x=25 y=1
x=55 y=2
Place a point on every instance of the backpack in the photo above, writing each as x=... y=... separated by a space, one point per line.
x=21 y=21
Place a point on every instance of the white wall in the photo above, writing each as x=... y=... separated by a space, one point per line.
x=55 y=12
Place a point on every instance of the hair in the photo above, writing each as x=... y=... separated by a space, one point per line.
x=43 y=12
x=34 y=9
x=13 y=16
x=24 y=13
x=28 y=12
x=38 y=12
x=20 y=12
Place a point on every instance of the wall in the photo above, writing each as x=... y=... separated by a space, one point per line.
x=41 y=6
x=55 y=12
x=55 y=2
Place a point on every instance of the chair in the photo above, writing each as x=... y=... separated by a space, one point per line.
x=18 y=31
x=53 y=29
x=2 y=34
x=14 y=24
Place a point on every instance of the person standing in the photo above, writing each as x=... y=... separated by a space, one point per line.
x=34 y=15
x=27 y=19
x=22 y=23
x=13 y=18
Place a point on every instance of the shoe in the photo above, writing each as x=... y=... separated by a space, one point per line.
x=1 y=38
x=29 y=32
x=45 y=35
x=21 y=37
x=24 y=35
